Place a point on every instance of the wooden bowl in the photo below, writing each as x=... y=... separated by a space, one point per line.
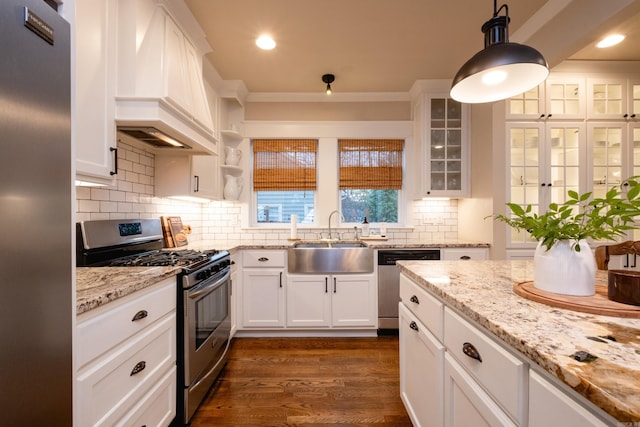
x=624 y=286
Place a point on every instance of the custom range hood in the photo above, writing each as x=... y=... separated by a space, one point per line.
x=160 y=95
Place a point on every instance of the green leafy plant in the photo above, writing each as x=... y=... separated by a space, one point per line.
x=581 y=216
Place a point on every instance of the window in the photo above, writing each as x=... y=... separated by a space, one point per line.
x=284 y=179
x=370 y=177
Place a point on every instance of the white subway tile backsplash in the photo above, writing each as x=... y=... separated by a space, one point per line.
x=134 y=197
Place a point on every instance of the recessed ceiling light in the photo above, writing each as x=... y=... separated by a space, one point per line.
x=265 y=42
x=611 y=40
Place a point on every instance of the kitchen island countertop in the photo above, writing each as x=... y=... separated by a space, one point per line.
x=548 y=336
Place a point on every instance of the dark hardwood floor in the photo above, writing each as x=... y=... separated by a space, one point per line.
x=307 y=382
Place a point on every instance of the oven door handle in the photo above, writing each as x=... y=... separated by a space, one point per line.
x=207 y=288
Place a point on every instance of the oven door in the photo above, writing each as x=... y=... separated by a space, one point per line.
x=207 y=325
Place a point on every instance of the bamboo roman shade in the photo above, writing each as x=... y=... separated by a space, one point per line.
x=374 y=164
x=284 y=164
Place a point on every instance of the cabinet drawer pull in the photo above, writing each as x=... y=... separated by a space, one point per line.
x=115 y=161
x=263 y=259
x=140 y=315
x=414 y=326
x=470 y=350
x=414 y=299
x=138 y=368
x=465 y=257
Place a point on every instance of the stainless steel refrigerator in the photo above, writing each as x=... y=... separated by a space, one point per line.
x=36 y=310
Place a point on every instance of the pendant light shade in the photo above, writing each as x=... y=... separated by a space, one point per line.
x=502 y=69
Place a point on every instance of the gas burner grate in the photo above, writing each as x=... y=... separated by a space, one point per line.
x=184 y=257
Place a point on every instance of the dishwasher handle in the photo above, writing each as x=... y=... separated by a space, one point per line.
x=391 y=256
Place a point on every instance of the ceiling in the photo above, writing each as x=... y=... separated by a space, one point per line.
x=386 y=45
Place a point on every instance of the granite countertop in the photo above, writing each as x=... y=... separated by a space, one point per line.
x=235 y=245
x=97 y=286
x=548 y=336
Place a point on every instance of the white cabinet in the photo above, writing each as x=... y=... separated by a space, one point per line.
x=445 y=156
x=549 y=406
x=421 y=371
x=344 y=300
x=263 y=289
x=354 y=301
x=545 y=161
x=502 y=375
x=422 y=353
x=441 y=154
x=613 y=98
x=464 y=253
x=93 y=61
x=187 y=176
x=484 y=382
x=557 y=98
x=465 y=401
x=308 y=301
x=126 y=359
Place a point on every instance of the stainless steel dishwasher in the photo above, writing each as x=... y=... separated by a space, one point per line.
x=389 y=283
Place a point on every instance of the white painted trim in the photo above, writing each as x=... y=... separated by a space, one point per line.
x=332 y=129
x=322 y=97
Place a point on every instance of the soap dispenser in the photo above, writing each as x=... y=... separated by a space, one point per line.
x=365 y=228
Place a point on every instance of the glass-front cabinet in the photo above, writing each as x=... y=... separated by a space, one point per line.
x=544 y=164
x=614 y=155
x=445 y=155
x=613 y=98
x=554 y=99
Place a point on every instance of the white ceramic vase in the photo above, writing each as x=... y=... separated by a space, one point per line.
x=232 y=187
x=562 y=270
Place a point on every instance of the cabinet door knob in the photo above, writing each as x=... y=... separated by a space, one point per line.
x=471 y=351
x=140 y=315
x=414 y=326
x=414 y=299
x=138 y=368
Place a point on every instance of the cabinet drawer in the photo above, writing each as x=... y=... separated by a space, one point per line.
x=97 y=334
x=503 y=375
x=263 y=258
x=425 y=307
x=158 y=407
x=109 y=388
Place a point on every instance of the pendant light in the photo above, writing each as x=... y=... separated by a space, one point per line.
x=328 y=79
x=502 y=69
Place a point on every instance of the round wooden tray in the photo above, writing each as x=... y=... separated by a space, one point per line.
x=595 y=304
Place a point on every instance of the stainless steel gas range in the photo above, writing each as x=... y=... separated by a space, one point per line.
x=203 y=292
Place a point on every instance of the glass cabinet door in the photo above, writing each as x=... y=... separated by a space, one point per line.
x=445 y=148
x=544 y=165
x=524 y=170
x=565 y=154
x=529 y=104
x=606 y=152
